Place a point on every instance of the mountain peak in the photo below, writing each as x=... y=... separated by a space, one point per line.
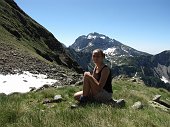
x=95 y=35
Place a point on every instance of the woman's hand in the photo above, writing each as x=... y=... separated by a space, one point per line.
x=87 y=74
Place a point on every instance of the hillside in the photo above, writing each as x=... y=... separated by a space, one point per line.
x=26 y=45
x=20 y=110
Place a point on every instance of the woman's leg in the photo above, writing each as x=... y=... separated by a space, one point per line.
x=90 y=86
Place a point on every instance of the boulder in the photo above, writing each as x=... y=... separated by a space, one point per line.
x=137 y=105
x=156 y=98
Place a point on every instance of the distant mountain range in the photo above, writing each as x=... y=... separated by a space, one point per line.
x=124 y=60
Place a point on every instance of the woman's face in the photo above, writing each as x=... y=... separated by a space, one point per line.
x=97 y=57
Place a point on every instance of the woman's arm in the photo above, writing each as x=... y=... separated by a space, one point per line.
x=104 y=76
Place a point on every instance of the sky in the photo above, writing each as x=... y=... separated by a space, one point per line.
x=140 y=24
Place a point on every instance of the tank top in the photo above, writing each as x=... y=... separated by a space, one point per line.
x=108 y=85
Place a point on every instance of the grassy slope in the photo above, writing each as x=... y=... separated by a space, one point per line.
x=27 y=110
x=14 y=24
x=24 y=34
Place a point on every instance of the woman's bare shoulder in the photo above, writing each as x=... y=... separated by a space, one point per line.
x=106 y=69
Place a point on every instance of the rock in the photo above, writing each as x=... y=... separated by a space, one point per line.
x=56 y=84
x=73 y=106
x=133 y=80
x=25 y=80
x=160 y=106
x=156 y=98
x=137 y=105
x=57 y=97
x=32 y=89
x=46 y=86
x=46 y=101
x=2 y=94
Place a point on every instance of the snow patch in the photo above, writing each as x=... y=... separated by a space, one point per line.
x=91 y=37
x=22 y=82
x=102 y=37
x=164 y=79
x=125 y=50
x=90 y=44
x=110 y=51
x=78 y=49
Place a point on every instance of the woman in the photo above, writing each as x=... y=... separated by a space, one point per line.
x=96 y=86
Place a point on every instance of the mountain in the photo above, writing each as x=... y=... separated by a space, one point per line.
x=154 y=70
x=110 y=46
x=115 y=51
x=26 y=45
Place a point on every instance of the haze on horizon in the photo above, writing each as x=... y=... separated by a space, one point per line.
x=140 y=24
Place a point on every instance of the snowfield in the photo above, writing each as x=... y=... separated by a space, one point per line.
x=23 y=82
x=164 y=80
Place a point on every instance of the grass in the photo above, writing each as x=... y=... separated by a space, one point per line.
x=27 y=110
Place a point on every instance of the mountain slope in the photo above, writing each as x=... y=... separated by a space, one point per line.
x=153 y=70
x=22 y=39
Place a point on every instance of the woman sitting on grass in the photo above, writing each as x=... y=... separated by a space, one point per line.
x=96 y=86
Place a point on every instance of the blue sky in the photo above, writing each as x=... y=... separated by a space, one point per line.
x=140 y=24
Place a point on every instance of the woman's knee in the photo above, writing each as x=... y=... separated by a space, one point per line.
x=87 y=75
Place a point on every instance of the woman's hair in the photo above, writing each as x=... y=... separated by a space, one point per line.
x=99 y=51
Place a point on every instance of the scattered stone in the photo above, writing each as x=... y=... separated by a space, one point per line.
x=160 y=106
x=133 y=80
x=137 y=105
x=2 y=94
x=25 y=80
x=156 y=98
x=46 y=86
x=57 y=97
x=74 y=106
x=56 y=84
x=32 y=89
x=4 y=81
x=46 y=101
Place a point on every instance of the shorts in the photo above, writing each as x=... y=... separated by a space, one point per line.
x=103 y=96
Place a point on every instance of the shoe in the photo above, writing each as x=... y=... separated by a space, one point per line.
x=83 y=99
x=120 y=103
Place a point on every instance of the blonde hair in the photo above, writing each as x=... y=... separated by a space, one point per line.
x=99 y=51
